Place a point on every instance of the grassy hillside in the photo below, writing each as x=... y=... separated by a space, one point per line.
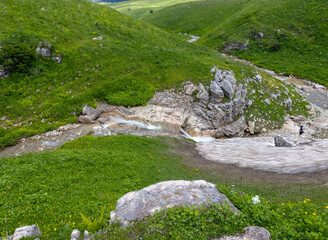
x=143 y=8
x=88 y=175
x=106 y=56
x=125 y=67
x=295 y=32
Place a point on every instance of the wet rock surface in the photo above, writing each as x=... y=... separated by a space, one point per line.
x=260 y=153
x=165 y=195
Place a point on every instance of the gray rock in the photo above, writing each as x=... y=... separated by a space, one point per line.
x=3 y=118
x=91 y=112
x=45 y=52
x=251 y=233
x=234 y=129
x=76 y=234
x=189 y=88
x=57 y=59
x=283 y=141
x=251 y=127
x=228 y=47
x=202 y=94
x=227 y=89
x=86 y=235
x=165 y=195
x=85 y=119
x=27 y=231
x=216 y=90
x=101 y=131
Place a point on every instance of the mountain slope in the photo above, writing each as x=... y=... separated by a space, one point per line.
x=294 y=32
x=105 y=56
x=125 y=67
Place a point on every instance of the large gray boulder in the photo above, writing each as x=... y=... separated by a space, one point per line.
x=283 y=141
x=165 y=195
x=27 y=231
x=251 y=233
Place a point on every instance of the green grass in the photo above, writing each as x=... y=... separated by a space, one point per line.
x=88 y=175
x=295 y=32
x=142 y=8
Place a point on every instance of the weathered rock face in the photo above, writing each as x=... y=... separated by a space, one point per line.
x=283 y=141
x=251 y=233
x=26 y=231
x=91 y=112
x=200 y=110
x=165 y=195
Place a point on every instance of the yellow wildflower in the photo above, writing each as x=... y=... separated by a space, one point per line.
x=305 y=212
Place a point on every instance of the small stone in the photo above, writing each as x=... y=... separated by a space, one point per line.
x=283 y=141
x=101 y=131
x=86 y=235
x=267 y=101
x=251 y=127
x=3 y=118
x=75 y=234
x=85 y=119
x=45 y=52
x=57 y=59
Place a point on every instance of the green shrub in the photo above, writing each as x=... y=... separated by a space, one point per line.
x=17 y=57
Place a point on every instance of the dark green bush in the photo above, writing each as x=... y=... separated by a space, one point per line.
x=17 y=57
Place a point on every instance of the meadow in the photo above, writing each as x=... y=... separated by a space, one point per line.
x=78 y=185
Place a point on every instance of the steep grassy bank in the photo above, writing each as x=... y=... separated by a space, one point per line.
x=295 y=32
x=88 y=175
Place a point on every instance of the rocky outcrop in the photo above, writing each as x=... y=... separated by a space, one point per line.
x=26 y=231
x=165 y=195
x=251 y=233
x=283 y=141
x=198 y=109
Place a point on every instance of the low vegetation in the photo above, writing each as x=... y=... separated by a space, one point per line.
x=294 y=32
x=78 y=185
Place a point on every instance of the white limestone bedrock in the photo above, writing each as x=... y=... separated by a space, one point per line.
x=261 y=154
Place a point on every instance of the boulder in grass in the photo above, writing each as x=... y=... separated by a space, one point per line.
x=164 y=195
x=26 y=231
